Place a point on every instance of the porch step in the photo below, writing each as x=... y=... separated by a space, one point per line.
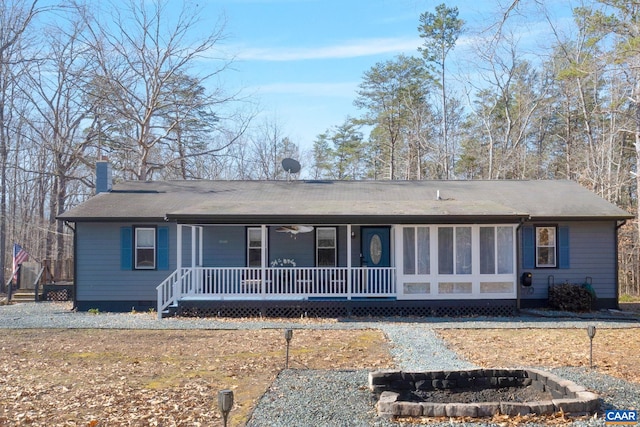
x=170 y=311
x=23 y=295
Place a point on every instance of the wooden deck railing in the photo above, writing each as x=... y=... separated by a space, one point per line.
x=275 y=283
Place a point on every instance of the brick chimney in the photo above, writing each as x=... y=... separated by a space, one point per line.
x=104 y=181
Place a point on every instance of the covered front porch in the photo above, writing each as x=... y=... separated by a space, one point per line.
x=283 y=262
x=234 y=264
x=288 y=283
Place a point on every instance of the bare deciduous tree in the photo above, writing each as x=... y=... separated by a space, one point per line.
x=143 y=54
x=15 y=18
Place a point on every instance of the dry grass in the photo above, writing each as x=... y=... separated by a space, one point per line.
x=131 y=377
x=615 y=351
x=171 y=378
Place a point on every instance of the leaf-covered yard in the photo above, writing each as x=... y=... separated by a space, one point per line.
x=615 y=351
x=86 y=377
x=133 y=377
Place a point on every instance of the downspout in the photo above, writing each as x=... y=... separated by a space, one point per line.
x=616 y=276
x=518 y=261
x=75 y=265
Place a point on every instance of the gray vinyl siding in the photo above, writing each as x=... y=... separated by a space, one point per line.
x=592 y=253
x=98 y=273
x=225 y=246
x=299 y=247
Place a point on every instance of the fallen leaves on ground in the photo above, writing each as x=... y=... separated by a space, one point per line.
x=102 y=378
x=616 y=352
x=557 y=419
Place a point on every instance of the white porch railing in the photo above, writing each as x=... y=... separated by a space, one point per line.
x=279 y=282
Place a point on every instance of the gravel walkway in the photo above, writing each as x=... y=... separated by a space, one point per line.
x=341 y=398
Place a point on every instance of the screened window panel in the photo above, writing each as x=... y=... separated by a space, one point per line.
x=445 y=250
x=487 y=250
x=463 y=250
x=409 y=247
x=505 y=250
x=424 y=251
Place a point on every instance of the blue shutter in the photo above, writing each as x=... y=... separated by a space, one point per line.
x=163 y=248
x=563 y=247
x=528 y=247
x=126 y=248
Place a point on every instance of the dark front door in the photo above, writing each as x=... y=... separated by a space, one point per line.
x=376 y=253
x=375 y=248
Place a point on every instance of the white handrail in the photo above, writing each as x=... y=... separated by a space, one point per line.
x=167 y=290
x=264 y=283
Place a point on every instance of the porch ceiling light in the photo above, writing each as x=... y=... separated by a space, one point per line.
x=294 y=229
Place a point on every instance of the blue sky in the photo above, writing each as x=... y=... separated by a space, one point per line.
x=302 y=60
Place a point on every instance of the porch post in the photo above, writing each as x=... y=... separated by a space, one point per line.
x=349 y=272
x=194 y=242
x=195 y=280
x=263 y=260
x=177 y=283
x=200 y=256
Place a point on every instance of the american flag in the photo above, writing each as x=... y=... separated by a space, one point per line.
x=19 y=256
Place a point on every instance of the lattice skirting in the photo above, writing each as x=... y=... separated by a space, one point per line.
x=344 y=308
x=58 y=292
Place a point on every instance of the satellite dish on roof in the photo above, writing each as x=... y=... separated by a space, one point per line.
x=290 y=165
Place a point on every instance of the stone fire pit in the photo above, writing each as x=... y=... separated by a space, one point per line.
x=477 y=393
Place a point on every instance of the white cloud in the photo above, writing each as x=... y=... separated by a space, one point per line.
x=349 y=49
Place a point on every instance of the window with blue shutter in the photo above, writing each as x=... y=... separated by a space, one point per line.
x=528 y=247
x=144 y=248
x=545 y=246
x=126 y=248
x=563 y=247
x=163 y=248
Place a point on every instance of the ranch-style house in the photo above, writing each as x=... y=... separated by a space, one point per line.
x=334 y=248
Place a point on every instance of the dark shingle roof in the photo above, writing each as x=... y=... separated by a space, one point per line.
x=330 y=201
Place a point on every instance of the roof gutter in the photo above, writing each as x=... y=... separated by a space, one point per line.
x=75 y=264
x=518 y=256
x=343 y=219
x=616 y=273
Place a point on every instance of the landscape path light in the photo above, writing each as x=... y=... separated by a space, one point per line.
x=225 y=403
x=288 y=334
x=591 y=331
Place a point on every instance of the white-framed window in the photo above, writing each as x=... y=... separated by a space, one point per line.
x=496 y=250
x=416 y=250
x=546 y=247
x=254 y=247
x=454 y=250
x=145 y=248
x=326 y=247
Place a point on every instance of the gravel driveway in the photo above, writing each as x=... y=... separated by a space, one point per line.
x=340 y=398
